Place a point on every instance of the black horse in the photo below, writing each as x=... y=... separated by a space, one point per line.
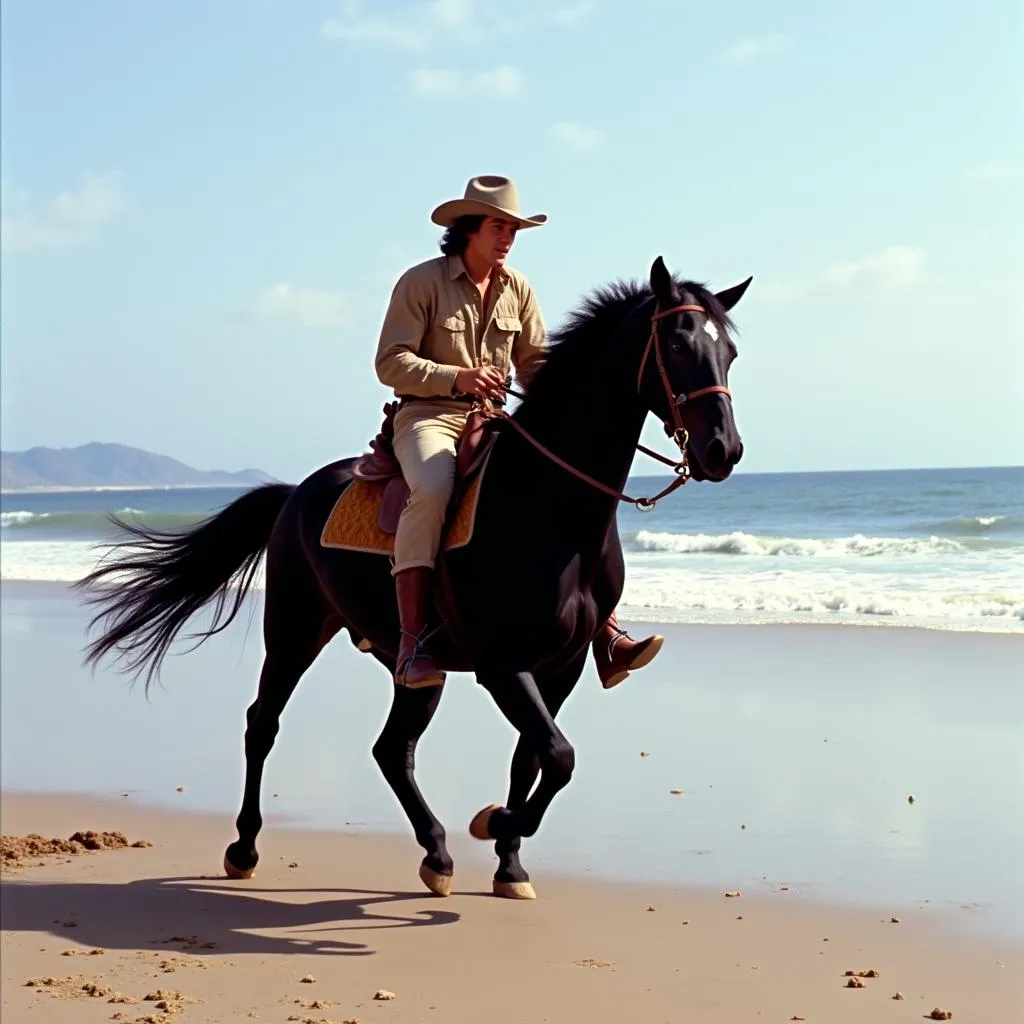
x=541 y=574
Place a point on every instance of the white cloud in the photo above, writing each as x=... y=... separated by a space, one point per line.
x=417 y=26
x=303 y=306
x=501 y=83
x=71 y=218
x=746 y=51
x=579 y=138
x=897 y=266
x=427 y=82
x=991 y=172
x=413 y=28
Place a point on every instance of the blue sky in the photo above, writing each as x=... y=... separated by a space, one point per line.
x=205 y=206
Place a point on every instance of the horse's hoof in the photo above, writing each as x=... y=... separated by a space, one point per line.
x=438 y=884
x=478 y=826
x=232 y=872
x=514 y=890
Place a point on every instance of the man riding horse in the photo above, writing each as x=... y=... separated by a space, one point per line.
x=453 y=327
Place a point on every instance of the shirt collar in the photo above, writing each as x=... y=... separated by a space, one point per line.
x=456 y=268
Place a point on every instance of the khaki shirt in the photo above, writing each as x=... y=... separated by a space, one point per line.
x=436 y=325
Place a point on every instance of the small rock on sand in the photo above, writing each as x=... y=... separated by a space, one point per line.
x=383 y=995
x=307 y=979
x=911 y=799
x=651 y=908
x=854 y=983
x=894 y=920
x=733 y=893
x=161 y=994
x=940 y=1014
x=180 y=789
x=677 y=792
x=899 y=995
x=645 y=753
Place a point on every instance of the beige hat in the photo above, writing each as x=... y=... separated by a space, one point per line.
x=490 y=195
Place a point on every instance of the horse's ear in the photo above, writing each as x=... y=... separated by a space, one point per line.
x=732 y=295
x=662 y=285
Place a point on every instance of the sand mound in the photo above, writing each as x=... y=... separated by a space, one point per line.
x=17 y=852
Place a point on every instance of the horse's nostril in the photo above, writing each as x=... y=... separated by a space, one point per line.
x=715 y=454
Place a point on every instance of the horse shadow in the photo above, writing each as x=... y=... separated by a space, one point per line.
x=203 y=916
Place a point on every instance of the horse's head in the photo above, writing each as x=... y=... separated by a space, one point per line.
x=684 y=374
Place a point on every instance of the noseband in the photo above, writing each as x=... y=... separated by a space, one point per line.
x=675 y=402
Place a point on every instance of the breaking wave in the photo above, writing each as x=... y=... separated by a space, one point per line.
x=738 y=543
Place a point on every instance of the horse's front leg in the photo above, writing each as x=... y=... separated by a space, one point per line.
x=395 y=754
x=511 y=879
x=517 y=696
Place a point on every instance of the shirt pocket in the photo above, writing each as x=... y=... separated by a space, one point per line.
x=451 y=332
x=505 y=330
x=508 y=325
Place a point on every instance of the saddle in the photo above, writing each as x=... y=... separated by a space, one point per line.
x=381 y=465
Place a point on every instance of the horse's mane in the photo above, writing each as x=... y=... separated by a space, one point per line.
x=595 y=320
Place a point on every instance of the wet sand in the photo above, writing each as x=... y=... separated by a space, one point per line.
x=346 y=910
x=796 y=751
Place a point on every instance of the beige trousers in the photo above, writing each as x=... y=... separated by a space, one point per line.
x=424 y=444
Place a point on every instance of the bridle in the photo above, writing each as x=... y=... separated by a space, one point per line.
x=675 y=403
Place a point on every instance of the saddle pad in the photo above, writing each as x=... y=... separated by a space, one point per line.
x=352 y=524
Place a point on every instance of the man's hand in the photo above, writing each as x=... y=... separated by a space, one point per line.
x=482 y=382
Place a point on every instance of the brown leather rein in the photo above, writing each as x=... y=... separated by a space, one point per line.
x=679 y=432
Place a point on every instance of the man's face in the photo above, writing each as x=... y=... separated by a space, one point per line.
x=491 y=244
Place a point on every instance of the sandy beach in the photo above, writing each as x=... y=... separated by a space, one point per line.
x=344 y=912
x=776 y=762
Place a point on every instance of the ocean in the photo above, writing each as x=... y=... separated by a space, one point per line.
x=938 y=549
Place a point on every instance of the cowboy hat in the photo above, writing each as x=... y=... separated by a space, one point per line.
x=491 y=196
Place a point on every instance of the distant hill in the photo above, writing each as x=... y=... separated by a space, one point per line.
x=110 y=465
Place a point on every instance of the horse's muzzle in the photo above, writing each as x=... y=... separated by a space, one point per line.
x=717 y=459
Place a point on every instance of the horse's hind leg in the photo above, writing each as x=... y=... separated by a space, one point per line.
x=395 y=754
x=511 y=879
x=296 y=627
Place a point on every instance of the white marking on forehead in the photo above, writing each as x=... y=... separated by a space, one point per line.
x=711 y=329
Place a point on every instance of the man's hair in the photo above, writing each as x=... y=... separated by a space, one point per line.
x=456 y=238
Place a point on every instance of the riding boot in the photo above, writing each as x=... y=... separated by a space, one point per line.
x=617 y=653
x=414 y=667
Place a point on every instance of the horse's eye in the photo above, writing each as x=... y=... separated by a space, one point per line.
x=677 y=347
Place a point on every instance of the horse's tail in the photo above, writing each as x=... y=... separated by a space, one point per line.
x=160 y=579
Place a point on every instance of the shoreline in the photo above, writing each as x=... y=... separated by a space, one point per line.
x=346 y=910
x=994 y=626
